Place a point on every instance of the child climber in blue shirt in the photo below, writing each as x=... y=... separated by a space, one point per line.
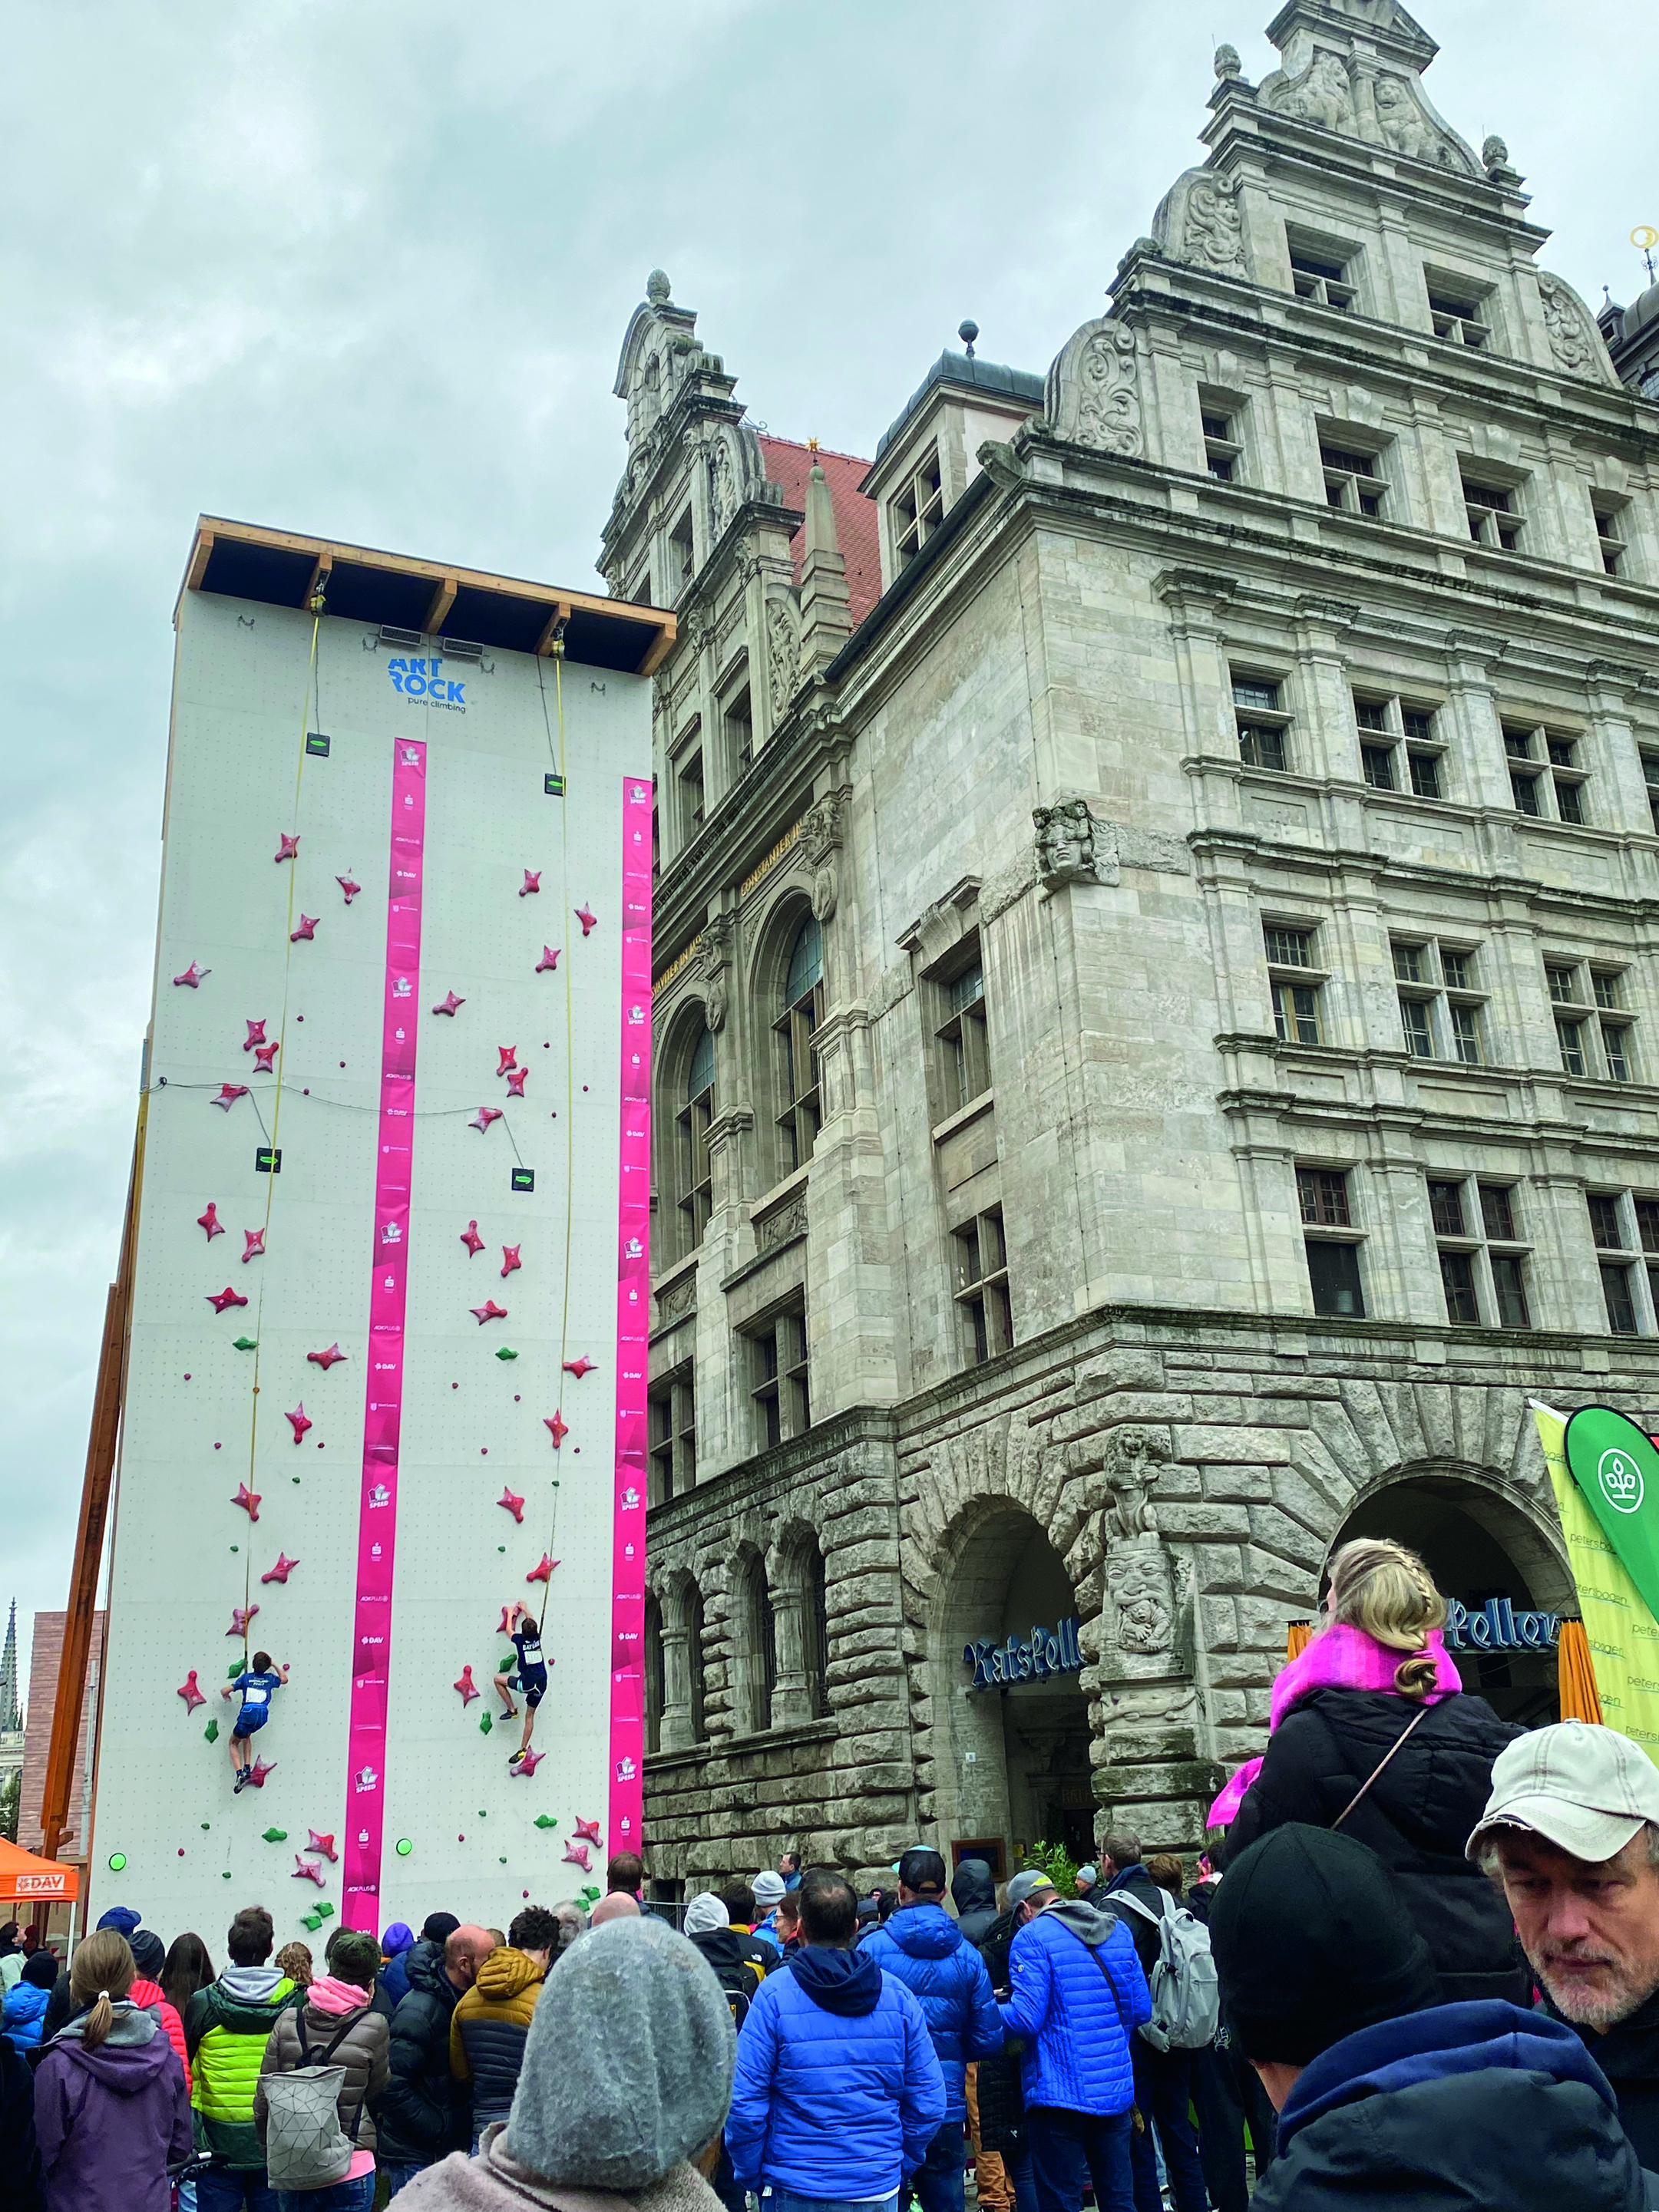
x=529 y=1675
x=256 y=1684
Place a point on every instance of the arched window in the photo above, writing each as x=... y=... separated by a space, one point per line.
x=653 y=1674
x=815 y=1632
x=757 y=1647
x=803 y=1010
x=694 y=1116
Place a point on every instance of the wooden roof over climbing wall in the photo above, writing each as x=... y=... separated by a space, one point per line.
x=283 y=568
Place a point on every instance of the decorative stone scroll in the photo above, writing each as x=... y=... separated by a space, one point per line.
x=1575 y=341
x=1142 y=1603
x=1200 y=221
x=1093 y=396
x=821 y=835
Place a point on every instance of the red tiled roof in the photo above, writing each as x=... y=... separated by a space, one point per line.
x=789 y=464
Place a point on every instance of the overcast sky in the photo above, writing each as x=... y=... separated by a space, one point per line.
x=364 y=271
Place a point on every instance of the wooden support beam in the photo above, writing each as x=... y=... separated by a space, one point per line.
x=554 y=623
x=321 y=571
x=442 y=599
x=661 y=646
x=198 y=560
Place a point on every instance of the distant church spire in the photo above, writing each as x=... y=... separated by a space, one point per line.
x=10 y=1716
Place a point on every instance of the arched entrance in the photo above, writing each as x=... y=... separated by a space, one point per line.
x=1017 y=1721
x=1479 y=1545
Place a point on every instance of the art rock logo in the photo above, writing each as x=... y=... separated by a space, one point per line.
x=418 y=679
x=1620 y=1479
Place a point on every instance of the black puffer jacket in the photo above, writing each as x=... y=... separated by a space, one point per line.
x=1628 y=2054
x=974 y=1893
x=1416 y=1816
x=1001 y=2104
x=424 y=2114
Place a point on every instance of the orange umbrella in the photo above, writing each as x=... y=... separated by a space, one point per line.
x=1577 y=1675
x=27 y=1879
x=1297 y=1637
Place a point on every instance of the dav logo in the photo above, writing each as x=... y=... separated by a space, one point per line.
x=417 y=677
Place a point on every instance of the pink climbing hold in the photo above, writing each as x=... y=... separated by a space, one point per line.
x=248 y=1500
x=468 y=1688
x=578 y=1367
x=542 y=1572
x=481 y=1120
x=533 y=882
x=260 y=1768
x=264 y=1058
x=210 y=1221
x=350 y=888
x=586 y=920
x=254 y=1245
x=558 y=1428
x=515 y=1077
x=323 y=1845
x=228 y=1094
x=506 y=1618
x=192 y=975
x=576 y=1855
x=190 y=1692
x=287 y=849
x=528 y=1763
x=589 y=1832
x=510 y=1260
x=240 y=1615
x=308 y=929
x=220 y=1299
x=471 y=1239
x=488 y=1312
x=308 y=1871
x=512 y=1505
x=325 y=1359
x=299 y=1420
x=448 y=1003
x=549 y=961
x=509 y=1056
x=280 y=1573
x=256 y=1035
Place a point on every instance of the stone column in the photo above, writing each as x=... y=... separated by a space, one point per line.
x=791 y=1700
x=676 y=1732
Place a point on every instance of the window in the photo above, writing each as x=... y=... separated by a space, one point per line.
x=1570 y=1037
x=1618 y=1290
x=1482 y=1255
x=1296 y=995
x=688 y=778
x=1650 y=777
x=964 y=1061
x=1597 y=1010
x=1455 y=315
x=1647 y=1229
x=1547 y=774
x=778 y=1384
x=1333 y=1254
x=1609 y=531
x=1493 y=511
x=681 y=557
x=673 y=1407
x=1224 y=451
x=1261 y=722
x=1353 y=480
x=803 y=1010
x=918 y=510
x=1399 y=750
x=736 y=719
x=982 y=1286
x=1608 y=986
x=1440 y=1001
x=691 y=1121
x=1320 y=277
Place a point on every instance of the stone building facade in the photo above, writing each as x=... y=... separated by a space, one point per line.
x=1157 y=1016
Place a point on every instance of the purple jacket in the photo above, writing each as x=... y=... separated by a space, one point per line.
x=110 y=2120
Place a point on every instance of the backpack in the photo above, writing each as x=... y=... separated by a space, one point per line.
x=1185 y=1990
x=305 y=2145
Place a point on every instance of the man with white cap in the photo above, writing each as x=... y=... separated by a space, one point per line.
x=768 y=1891
x=1571 y=1832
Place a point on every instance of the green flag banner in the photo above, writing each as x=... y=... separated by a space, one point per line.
x=1619 y=1624
x=1614 y=1464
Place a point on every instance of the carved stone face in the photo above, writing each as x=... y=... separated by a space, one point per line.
x=1137 y=1583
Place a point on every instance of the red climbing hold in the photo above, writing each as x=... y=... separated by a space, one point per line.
x=576 y=1855
x=589 y=1830
x=481 y=1120
x=527 y=1763
x=256 y=1035
x=510 y=1260
x=323 y=1845
x=488 y=1312
x=210 y=1222
x=190 y=1692
x=308 y=929
x=515 y=1077
x=325 y=1359
x=192 y=975
x=240 y=1615
x=512 y=1504
x=533 y=882
x=350 y=888
x=307 y=1871
x=299 y=1420
x=281 y=1571
x=448 y=1004
x=228 y=1094
x=587 y=920
x=543 y=1571
x=468 y=1688
x=578 y=1367
x=248 y=1500
x=549 y=961
x=508 y=1612
x=254 y=1245
x=288 y=848
x=258 y=1771
x=220 y=1299
x=509 y=1057
x=471 y=1239
x=264 y=1058
x=558 y=1428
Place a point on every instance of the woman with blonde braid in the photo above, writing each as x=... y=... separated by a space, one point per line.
x=110 y=2107
x=1373 y=1733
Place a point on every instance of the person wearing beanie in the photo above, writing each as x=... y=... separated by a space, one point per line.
x=333 y=2022
x=149 y=1957
x=1086 y=1881
x=393 y=1986
x=709 y=1925
x=626 y=2081
x=23 y=2020
x=768 y=1887
x=1382 y=2092
x=738 y=1900
x=1375 y=1704
x=838 y=2092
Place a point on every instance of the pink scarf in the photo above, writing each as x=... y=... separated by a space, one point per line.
x=325 y=1994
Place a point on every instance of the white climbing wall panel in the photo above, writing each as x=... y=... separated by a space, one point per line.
x=436 y=1821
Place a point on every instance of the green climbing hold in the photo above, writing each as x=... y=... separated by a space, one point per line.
x=500 y=1547
x=591 y=1894
x=117 y=1861
x=506 y=1665
x=311 y=1920
x=246 y=1343
x=206 y=1825
x=502 y=1862
x=225 y=1876
x=482 y=1815
x=505 y=1354
x=296 y=1482
x=211 y=1732
x=235 y=1669
x=235 y=1547
x=404 y=1847
x=545 y=1820
x=275 y=1835
x=325 y=1910
x=485 y=1725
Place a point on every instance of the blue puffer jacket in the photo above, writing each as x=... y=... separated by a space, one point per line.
x=838 y=2092
x=923 y=1946
x=25 y=2015
x=1077 y=2020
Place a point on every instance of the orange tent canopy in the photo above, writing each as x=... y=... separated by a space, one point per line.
x=27 y=1879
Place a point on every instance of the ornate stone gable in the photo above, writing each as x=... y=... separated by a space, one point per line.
x=1353 y=67
x=1576 y=344
x=1093 y=394
x=1200 y=221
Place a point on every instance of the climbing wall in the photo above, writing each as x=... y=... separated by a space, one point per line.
x=387 y=1359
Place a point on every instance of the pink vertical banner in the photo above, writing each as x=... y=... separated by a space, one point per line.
x=377 y=1511
x=633 y=1326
